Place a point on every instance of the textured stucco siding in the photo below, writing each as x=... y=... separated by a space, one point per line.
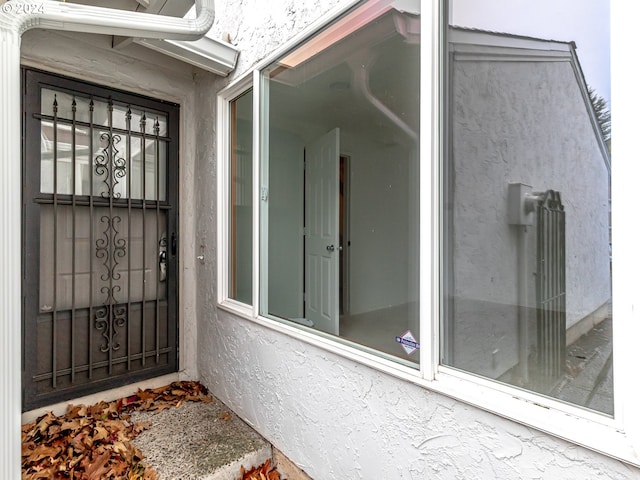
x=334 y=417
x=258 y=28
x=339 y=419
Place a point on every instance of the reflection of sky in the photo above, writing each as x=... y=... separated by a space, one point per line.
x=586 y=22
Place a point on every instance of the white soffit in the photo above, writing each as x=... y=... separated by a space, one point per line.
x=172 y=8
x=206 y=53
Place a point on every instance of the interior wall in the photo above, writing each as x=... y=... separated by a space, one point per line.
x=379 y=227
x=286 y=222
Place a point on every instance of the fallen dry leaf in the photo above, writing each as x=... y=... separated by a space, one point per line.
x=97 y=469
x=262 y=472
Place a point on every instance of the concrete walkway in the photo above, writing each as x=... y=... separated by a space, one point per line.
x=588 y=381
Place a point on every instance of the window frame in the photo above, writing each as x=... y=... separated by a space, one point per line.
x=617 y=436
x=224 y=201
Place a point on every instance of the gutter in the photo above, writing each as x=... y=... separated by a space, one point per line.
x=17 y=17
x=23 y=15
x=206 y=53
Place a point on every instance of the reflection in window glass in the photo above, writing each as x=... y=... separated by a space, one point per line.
x=241 y=177
x=339 y=191
x=527 y=201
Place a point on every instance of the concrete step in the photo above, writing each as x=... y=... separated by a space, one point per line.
x=200 y=441
x=206 y=441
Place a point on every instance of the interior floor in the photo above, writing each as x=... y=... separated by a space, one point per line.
x=378 y=329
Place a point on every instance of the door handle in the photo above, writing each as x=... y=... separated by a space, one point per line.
x=330 y=248
x=162 y=259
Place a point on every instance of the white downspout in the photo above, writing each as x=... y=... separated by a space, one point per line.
x=16 y=17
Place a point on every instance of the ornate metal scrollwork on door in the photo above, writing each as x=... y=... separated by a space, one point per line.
x=110 y=247
x=110 y=316
x=109 y=165
x=108 y=319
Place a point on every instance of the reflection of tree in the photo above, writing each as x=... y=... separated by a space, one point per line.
x=603 y=114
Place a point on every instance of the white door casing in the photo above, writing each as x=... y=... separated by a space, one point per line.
x=322 y=233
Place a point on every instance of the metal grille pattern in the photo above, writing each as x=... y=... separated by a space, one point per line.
x=551 y=286
x=98 y=270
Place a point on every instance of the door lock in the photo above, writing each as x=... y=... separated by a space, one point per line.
x=162 y=258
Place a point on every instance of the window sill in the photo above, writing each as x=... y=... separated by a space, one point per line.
x=579 y=426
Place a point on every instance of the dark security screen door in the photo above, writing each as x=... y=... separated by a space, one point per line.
x=100 y=233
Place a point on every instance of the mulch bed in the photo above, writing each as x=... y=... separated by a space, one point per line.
x=95 y=442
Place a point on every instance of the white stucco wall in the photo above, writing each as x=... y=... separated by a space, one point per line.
x=339 y=419
x=332 y=416
x=257 y=28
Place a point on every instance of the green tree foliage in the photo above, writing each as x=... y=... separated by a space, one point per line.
x=603 y=113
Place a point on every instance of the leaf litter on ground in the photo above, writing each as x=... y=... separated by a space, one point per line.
x=262 y=472
x=96 y=442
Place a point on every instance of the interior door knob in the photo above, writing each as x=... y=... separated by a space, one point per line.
x=330 y=248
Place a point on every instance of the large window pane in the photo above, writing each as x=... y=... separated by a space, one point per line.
x=240 y=233
x=527 y=272
x=339 y=184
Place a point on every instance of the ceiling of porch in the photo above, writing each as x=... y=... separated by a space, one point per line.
x=173 y=8
x=208 y=53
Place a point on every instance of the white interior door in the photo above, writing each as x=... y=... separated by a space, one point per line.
x=321 y=240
